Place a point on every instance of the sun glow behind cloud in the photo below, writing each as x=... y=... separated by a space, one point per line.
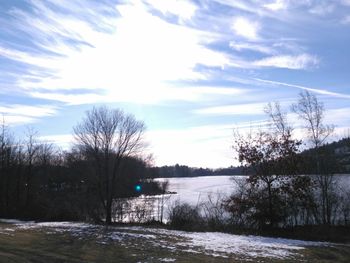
x=138 y=55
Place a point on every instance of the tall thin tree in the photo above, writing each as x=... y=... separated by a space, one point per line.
x=312 y=112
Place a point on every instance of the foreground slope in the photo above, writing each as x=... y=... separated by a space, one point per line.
x=78 y=242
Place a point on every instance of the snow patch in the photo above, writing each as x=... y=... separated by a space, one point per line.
x=210 y=243
x=14 y=221
x=167 y=259
x=222 y=244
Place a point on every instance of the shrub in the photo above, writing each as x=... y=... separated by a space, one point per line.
x=185 y=217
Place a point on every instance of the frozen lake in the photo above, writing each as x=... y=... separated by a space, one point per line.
x=194 y=190
x=190 y=190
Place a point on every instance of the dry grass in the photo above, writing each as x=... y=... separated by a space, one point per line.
x=42 y=246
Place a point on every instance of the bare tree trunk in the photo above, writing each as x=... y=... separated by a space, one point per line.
x=108 y=212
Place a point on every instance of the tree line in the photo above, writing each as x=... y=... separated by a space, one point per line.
x=39 y=181
x=186 y=171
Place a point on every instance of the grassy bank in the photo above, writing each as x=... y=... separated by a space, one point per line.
x=89 y=243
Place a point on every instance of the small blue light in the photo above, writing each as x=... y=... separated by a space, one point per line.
x=138 y=188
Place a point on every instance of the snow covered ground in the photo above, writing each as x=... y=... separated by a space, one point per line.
x=209 y=243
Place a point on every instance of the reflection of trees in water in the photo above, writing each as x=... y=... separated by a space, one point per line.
x=141 y=209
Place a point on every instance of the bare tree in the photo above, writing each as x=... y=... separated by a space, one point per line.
x=278 y=119
x=46 y=152
x=31 y=150
x=5 y=155
x=163 y=199
x=107 y=137
x=311 y=111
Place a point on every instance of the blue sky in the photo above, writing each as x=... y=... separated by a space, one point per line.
x=191 y=70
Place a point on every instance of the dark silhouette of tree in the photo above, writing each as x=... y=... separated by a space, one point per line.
x=107 y=137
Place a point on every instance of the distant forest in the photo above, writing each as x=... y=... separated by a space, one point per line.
x=338 y=150
x=186 y=171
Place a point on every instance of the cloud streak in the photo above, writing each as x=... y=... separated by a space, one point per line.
x=316 y=90
x=303 y=61
x=24 y=114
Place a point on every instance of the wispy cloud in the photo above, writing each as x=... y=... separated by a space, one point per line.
x=240 y=46
x=239 y=109
x=246 y=28
x=346 y=20
x=276 y=5
x=322 y=9
x=181 y=8
x=252 y=7
x=127 y=55
x=338 y=117
x=304 y=61
x=203 y=62
x=144 y=96
x=33 y=111
x=21 y=114
x=345 y=2
x=131 y=50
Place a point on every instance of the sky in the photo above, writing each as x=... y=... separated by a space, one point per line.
x=192 y=70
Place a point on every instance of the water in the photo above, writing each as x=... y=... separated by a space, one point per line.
x=194 y=190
